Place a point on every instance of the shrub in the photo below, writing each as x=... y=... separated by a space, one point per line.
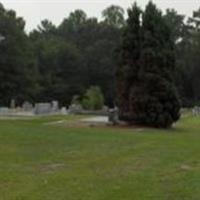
x=93 y=99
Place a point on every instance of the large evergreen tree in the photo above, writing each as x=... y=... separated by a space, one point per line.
x=145 y=77
x=129 y=61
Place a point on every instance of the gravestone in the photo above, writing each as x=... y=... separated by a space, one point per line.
x=196 y=111
x=12 y=104
x=55 y=106
x=63 y=111
x=75 y=108
x=43 y=108
x=27 y=106
x=4 y=110
x=113 y=117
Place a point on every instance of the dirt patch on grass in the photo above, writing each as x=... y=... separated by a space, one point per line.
x=51 y=168
x=95 y=124
x=81 y=124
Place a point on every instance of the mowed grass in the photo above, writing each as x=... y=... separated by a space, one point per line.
x=41 y=161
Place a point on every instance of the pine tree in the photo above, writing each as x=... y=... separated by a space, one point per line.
x=129 y=61
x=148 y=89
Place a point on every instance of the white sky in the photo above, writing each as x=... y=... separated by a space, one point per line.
x=33 y=11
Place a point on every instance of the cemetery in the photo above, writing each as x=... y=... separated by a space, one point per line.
x=100 y=109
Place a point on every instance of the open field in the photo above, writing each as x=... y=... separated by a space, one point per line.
x=44 y=161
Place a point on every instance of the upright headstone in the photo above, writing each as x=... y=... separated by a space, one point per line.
x=4 y=111
x=43 y=108
x=63 y=111
x=27 y=106
x=196 y=111
x=12 y=104
x=55 y=106
x=113 y=117
x=75 y=108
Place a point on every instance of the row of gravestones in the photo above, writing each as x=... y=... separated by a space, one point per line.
x=49 y=108
x=38 y=109
x=53 y=108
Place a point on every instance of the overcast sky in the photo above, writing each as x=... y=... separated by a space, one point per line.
x=33 y=11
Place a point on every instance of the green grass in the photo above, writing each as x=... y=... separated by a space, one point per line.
x=54 y=162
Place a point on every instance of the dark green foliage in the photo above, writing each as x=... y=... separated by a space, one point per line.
x=189 y=50
x=183 y=52
x=93 y=99
x=187 y=39
x=17 y=64
x=145 y=85
x=114 y=16
x=74 y=56
x=56 y=62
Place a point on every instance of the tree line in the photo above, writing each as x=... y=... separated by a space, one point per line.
x=58 y=62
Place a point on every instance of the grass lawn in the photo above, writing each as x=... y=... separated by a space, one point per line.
x=41 y=161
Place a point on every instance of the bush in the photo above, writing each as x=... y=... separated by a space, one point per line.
x=93 y=99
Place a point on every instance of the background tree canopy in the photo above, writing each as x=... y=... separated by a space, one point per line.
x=58 y=62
